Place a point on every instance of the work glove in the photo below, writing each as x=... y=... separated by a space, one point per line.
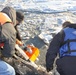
x=20 y=43
x=49 y=69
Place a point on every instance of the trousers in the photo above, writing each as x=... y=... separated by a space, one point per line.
x=66 y=65
x=6 y=69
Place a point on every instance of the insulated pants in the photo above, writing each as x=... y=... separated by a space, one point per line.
x=6 y=69
x=66 y=65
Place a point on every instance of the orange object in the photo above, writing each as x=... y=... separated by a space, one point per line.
x=35 y=53
x=4 y=18
x=19 y=42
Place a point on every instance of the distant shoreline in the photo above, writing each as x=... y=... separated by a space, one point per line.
x=44 y=12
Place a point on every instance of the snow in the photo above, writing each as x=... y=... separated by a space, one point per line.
x=47 y=17
x=45 y=6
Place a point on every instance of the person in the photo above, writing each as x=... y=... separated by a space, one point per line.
x=7 y=39
x=19 y=19
x=64 y=45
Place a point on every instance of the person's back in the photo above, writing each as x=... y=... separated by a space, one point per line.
x=8 y=37
x=9 y=32
x=64 y=44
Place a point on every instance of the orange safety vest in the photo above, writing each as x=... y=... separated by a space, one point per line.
x=3 y=19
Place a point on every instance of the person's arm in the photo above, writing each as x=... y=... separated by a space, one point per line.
x=18 y=38
x=9 y=38
x=53 y=50
x=17 y=34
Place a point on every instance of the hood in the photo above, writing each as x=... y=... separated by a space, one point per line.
x=11 y=13
x=72 y=26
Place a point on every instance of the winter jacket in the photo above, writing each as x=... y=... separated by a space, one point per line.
x=8 y=33
x=55 y=46
x=17 y=34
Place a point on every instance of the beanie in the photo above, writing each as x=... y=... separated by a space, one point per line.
x=19 y=16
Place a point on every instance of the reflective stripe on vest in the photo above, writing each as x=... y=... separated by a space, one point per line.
x=3 y=19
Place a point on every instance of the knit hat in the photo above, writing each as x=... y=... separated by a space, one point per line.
x=19 y=16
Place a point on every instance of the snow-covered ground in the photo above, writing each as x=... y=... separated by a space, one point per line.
x=53 y=7
x=59 y=11
x=43 y=5
x=42 y=19
x=43 y=15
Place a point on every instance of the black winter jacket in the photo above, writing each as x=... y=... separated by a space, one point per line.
x=54 y=47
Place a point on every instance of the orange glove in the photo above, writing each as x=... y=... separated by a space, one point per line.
x=19 y=42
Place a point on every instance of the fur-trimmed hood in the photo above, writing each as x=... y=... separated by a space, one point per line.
x=11 y=13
